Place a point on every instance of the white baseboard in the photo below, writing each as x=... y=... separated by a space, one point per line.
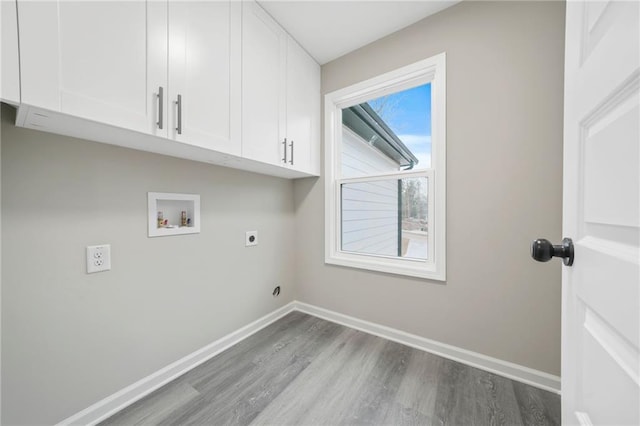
x=127 y=396
x=507 y=369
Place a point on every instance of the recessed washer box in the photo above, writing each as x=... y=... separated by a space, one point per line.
x=173 y=214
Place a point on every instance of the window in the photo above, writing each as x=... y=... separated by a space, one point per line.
x=385 y=172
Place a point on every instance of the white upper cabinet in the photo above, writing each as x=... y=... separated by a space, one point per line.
x=280 y=95
x=216 y=81
x=9 y=64
x=204 y=74
x=103 y=61
x=303 y=110
x=264 y=49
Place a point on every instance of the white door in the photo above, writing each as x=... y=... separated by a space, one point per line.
x=100 y=60
x=264 y=52
x=303 y=109
x=204 y=70
x=601 y=291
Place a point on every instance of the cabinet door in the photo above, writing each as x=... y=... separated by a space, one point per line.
x=263 y=85
x=303 y=109
x=9 y=65
x=204 y=70
x=100 y=60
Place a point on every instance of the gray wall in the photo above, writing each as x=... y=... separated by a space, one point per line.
x=70 y=339
x=504 y=164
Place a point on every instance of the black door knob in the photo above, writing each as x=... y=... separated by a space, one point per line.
x=542 y=250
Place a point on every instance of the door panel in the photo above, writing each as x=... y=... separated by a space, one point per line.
x=303 y=102
x=263 y=85
x=200 y=35
x=611 y=152
x=39 y=54
x=608 y=392
x=601 y=292
x=100 y=60
x=9 y=62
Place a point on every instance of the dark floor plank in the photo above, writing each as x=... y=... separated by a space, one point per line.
x=538 y=407
x=469 y=396
x=400 y=415
x=455 y=395
x=416 y=397
x=496 y=402
x=373 y=405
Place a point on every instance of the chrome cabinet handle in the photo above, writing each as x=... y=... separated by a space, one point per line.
x=160 y=97
x=179 y=103
x=284 y=144
x=291 y=145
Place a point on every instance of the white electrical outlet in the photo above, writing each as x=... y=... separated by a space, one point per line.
x=98 y=258
x=251 y=238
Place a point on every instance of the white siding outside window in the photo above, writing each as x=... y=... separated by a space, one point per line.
x=369 y=209
x=361 y=159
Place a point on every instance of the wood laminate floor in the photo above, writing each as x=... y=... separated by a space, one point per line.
x=302 y=370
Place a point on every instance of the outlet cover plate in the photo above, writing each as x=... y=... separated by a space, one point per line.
x=98 y=258
x=251 y=238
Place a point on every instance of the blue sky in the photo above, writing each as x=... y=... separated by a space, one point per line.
x=408 y=114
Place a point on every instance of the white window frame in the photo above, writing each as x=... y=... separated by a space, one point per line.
x=431 y=70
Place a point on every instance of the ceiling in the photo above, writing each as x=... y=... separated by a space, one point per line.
x=328 y=29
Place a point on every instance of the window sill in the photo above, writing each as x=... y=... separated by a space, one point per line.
x=404 y=267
